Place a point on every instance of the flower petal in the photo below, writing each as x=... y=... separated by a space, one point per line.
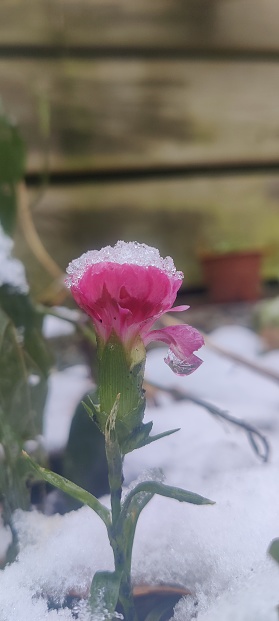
x=182 y=367
x=183 y=340
x=178 y=309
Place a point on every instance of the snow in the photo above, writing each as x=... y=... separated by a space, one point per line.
x=219 y=551
x=123 y=252
x=55 y=326
x=12 y=271
x=66 y=389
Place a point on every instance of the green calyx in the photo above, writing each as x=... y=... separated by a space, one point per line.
x=121 y=373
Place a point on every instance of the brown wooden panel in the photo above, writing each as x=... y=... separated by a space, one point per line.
x=209 y=24
x=141 y=113
x=182 y=218
x=26 y=22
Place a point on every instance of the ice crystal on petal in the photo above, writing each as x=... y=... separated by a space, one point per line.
x=182 y=367
x=125 y=289
x=132 y=253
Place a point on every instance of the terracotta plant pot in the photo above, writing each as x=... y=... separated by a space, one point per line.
x=232 y=276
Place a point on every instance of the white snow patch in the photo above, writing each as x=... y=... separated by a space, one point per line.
x=66 y=389
x=123 y=252
x=219 y=552
x=61 y=325
x=12 y=271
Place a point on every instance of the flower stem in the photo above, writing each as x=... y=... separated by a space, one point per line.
x=122 y=551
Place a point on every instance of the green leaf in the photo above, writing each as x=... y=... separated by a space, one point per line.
x=15 y=401
x=25 y=317
x=137 y=438
x=84 y=461
x=34 y=355
x=72 y=489
x=176 y=493
x=12 y=152
x=142 y=438
x=18 y=419
x=94 y=412
x=8 y=207
x=273 y=550
x=104 y=593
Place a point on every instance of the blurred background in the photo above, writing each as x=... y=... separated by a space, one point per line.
x=149 y=121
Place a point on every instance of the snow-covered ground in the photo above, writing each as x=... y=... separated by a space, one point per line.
x=219 y=552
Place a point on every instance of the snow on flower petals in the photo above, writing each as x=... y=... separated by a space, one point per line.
x=125 y=289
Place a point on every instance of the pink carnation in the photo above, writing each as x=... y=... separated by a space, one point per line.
x=125 y=289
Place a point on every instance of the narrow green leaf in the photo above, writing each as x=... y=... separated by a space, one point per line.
x=72 y=489
x=140 y=437
x=12 y=151
x=8 y=205
x=128 y=520
x=90 y=411
x=176 y=493
x=104 y=593
x=24 y=315
x=94 y=412
x=137 y=438
x=151 y=439
x=15 y=400
x=273 y=550
x=84 y=460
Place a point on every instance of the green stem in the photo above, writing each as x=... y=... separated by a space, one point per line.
x=122 y=560
x=122 y=551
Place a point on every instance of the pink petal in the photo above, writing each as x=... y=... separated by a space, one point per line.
x=183 y=340
x=178 y=309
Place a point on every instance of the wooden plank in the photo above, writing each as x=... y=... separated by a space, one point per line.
x=26 y=22
x=202 y=24
x=182 y=218
x=121 y=113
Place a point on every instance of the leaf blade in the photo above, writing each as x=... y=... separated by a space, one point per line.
x=71 y=488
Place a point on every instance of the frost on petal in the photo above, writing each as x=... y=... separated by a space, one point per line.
x=182 y=367
x=131 y=253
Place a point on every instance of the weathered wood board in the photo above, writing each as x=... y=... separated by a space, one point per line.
x=106 y=113
x=203 y=24
x=182 y=218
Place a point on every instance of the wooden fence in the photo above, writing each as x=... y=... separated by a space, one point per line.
x=158 y=121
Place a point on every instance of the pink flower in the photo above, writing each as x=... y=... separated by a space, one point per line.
x=125 y=289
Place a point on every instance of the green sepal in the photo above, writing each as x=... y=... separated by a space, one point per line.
x=72 y=489
x=114 y=457
x=121 y=372
x=273 y=550
x=104 y=593
x=177 y=493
